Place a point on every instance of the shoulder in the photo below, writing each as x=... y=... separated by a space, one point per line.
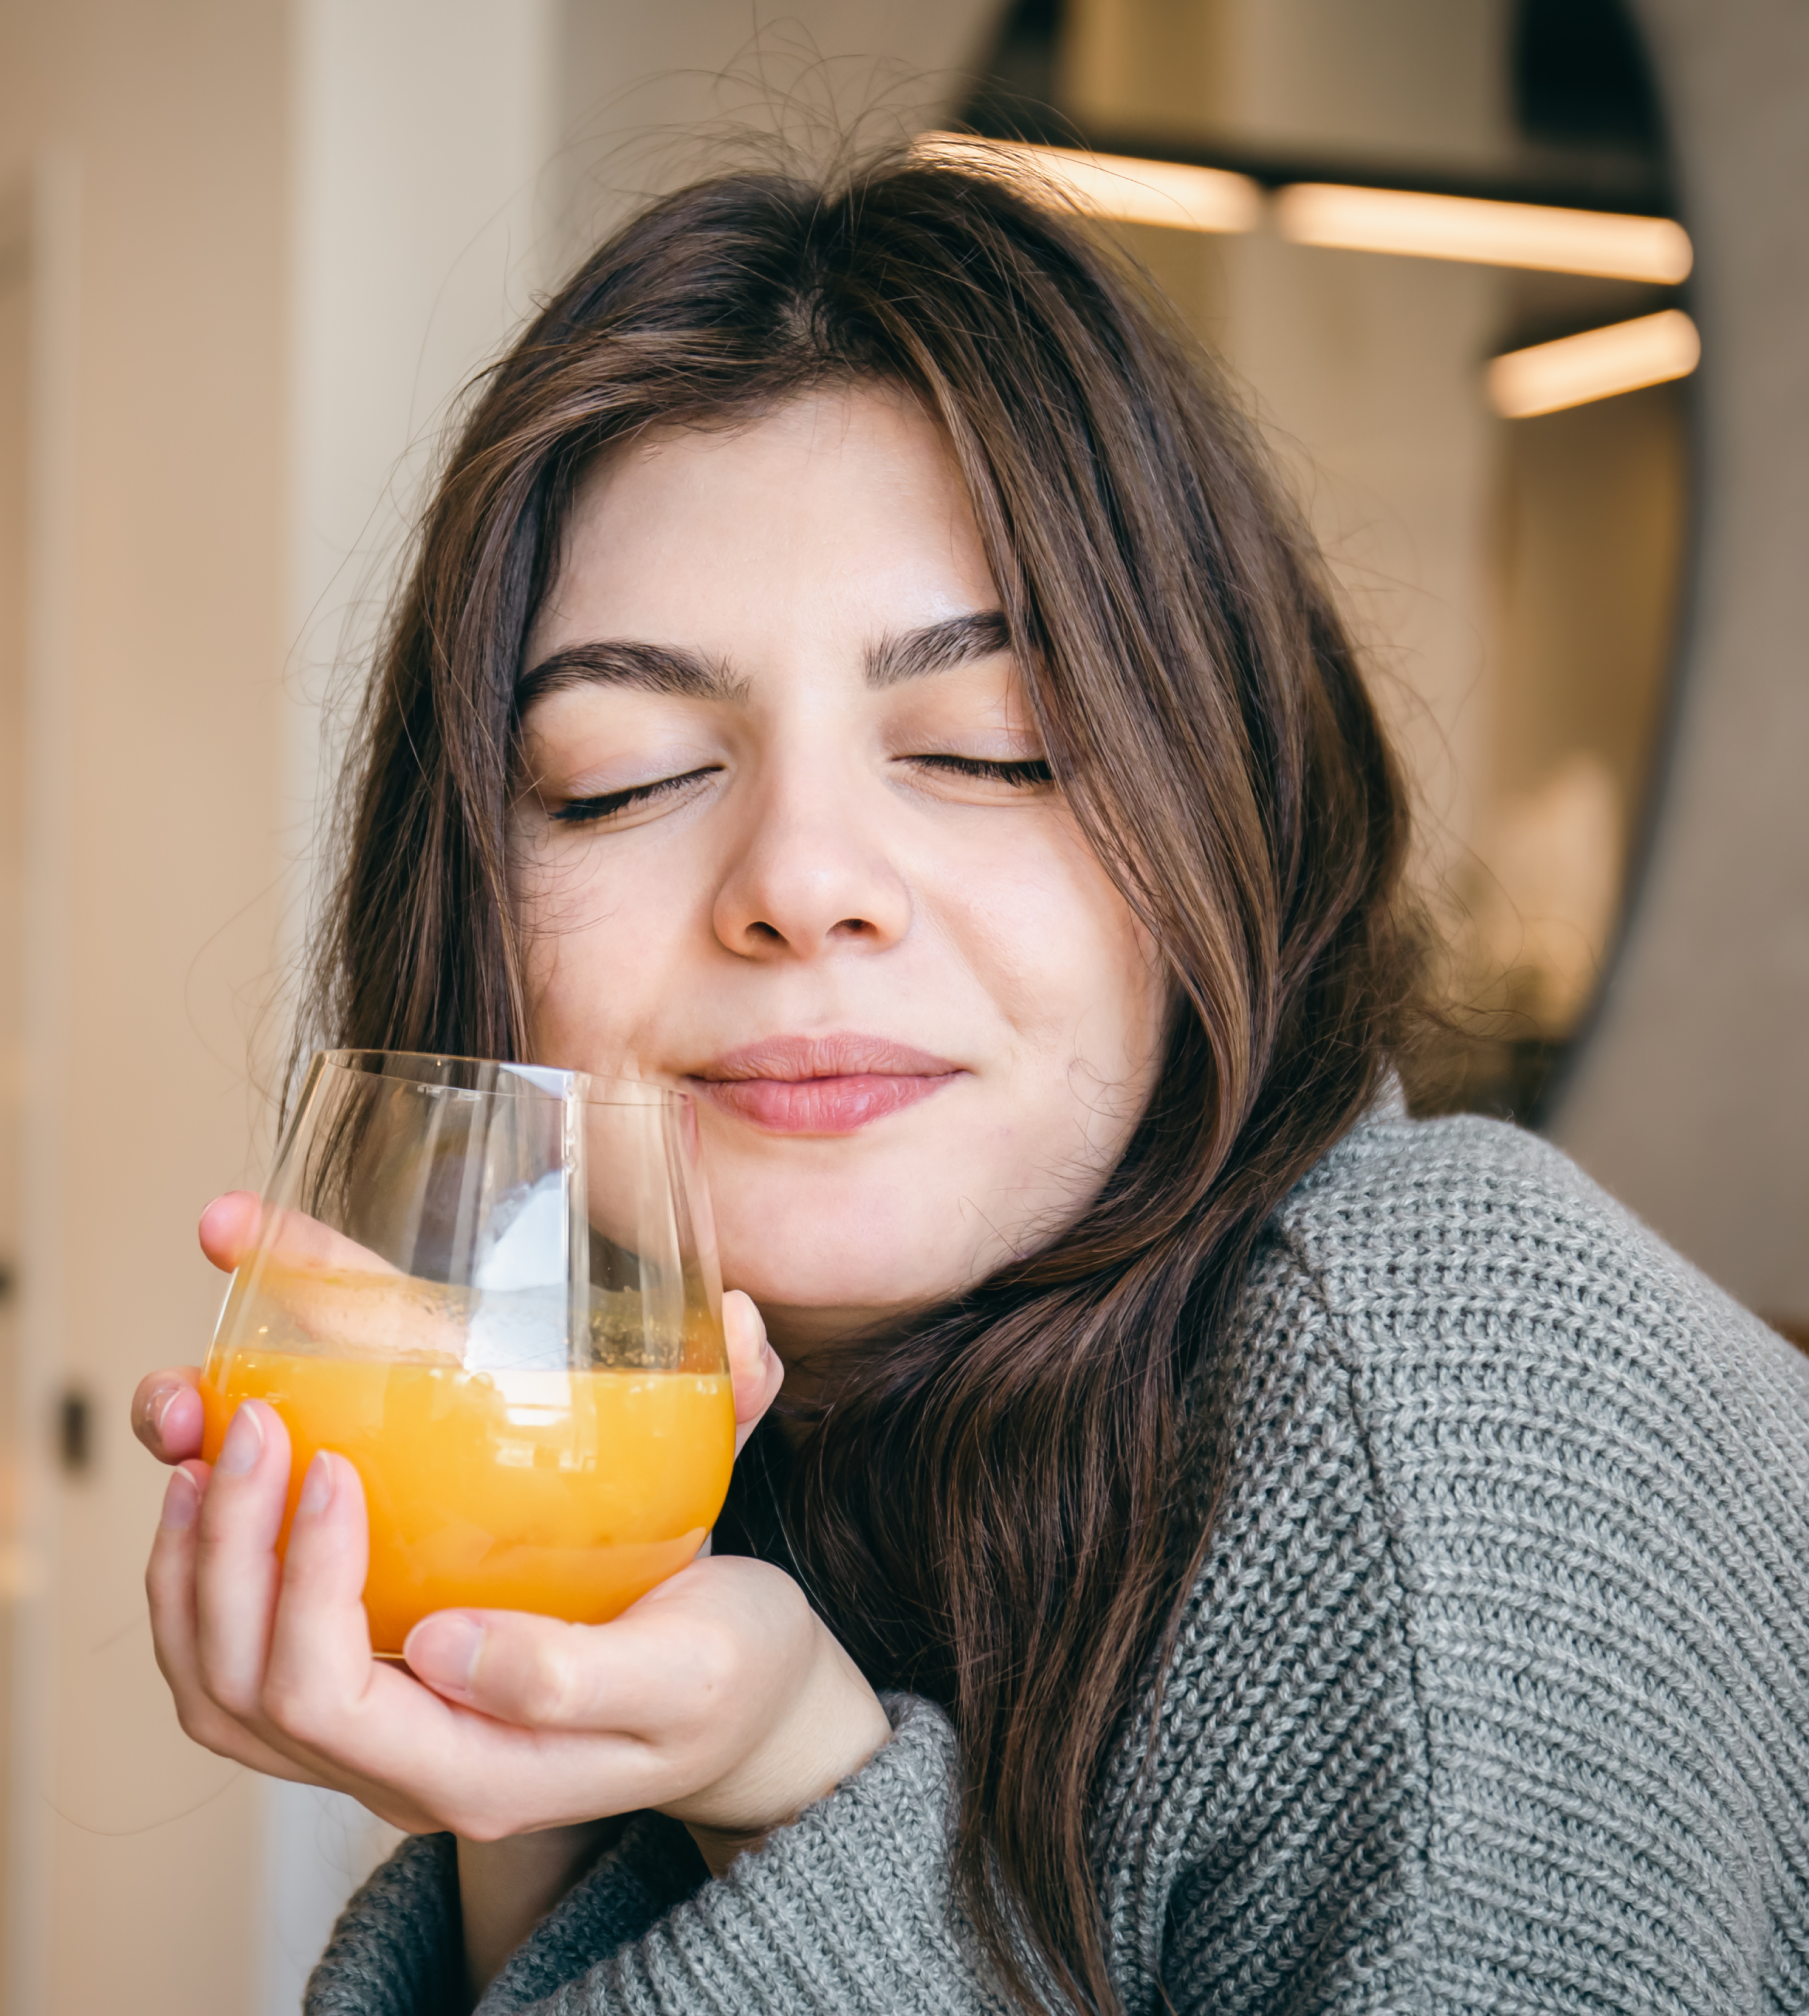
x=1594 y=1467
x=1455 y=1257
x=1431 y=1194
x=1491 y=1689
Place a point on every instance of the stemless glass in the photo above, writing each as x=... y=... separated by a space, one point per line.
x=494 y=1288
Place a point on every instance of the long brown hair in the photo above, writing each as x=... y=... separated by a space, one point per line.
x=1010 y=1501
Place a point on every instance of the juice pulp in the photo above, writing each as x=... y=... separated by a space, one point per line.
x=568 y=1493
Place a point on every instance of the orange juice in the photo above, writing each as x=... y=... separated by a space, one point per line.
x=568 y=1493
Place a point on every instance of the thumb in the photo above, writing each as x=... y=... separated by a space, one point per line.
x=754 y=1367
x=229 y=1227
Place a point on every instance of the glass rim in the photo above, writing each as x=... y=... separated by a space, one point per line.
x=524 y=1080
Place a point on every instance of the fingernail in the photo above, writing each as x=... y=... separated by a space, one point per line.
x=244 y=1443
x=181 y=1501
x=443 y=1650
x=156 y=1405
x=317 y=1486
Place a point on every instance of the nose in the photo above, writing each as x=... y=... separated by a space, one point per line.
x=812 y=875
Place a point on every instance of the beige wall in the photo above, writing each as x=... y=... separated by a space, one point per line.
x=651 y=96
x=1692 y=1102
x=148 y=143
x=15 y=333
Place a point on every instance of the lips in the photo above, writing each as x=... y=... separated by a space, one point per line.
x=821 y=1084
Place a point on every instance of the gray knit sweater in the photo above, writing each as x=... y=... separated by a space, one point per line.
x=1494 y=1693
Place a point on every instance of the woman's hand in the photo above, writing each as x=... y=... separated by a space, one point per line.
x=719 y=1697
x=166 y=1408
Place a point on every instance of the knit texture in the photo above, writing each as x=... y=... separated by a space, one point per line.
x=397 y=1949
x=1493 y=1693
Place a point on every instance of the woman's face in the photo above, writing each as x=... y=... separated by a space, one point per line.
x=786 y=835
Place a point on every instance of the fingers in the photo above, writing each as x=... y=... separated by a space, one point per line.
x=322 y=1692
x=324 y=1281
x=237 y=1574
x=755 y=1369
x=532 y=1671
x=524 y=1721
x=695 y=1638
x=170 y=1587
x=267 y=1666
x=317 y=1708
x=233 y=1224
x=320 y=1643
x=347 y=1298
x=229 y=1227
x=417 y=1759
x=167 y=1413
x=689 y=1689
x=572 y=1696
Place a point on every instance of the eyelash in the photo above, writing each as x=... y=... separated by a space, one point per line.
x=588 y=811
x=1024 y=775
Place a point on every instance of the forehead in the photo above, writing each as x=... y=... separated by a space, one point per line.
x=840 y=511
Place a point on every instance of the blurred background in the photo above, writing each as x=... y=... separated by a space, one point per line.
x=1516 y=290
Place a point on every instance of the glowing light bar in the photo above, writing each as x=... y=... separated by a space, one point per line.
x=1596 y=365
x=1467 y=228
x=1117 y=186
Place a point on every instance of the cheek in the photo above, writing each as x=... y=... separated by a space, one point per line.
x=600 y=951
x=1067 y=964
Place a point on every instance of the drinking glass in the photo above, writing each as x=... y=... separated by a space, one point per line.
x=494 y=1288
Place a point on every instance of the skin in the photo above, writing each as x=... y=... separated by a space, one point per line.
x=784 y=836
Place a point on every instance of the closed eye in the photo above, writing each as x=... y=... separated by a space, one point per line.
x=1026 y=774
x=590 y=811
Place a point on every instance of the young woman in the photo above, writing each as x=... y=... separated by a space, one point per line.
x=1222 y=1545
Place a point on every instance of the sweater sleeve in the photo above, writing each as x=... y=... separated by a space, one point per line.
x=849 y=1909
x=395 y=1950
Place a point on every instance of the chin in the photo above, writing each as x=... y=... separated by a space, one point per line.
x=836 y=1264
x=853 y=1295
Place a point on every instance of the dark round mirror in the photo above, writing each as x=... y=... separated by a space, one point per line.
x=1435 y=243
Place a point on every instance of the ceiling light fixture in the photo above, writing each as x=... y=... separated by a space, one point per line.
x=1116 y=186
x=1605 y=244
x=1126 y=189
x=1596 y=365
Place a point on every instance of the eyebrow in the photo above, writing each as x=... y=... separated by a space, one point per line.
x=938 y=647
x=688 y=675
x=650 y=668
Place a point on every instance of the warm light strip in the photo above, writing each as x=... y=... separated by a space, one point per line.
x=1116 y=186
x=1602 y=243
x=1596 y=365
x=1127 y=190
